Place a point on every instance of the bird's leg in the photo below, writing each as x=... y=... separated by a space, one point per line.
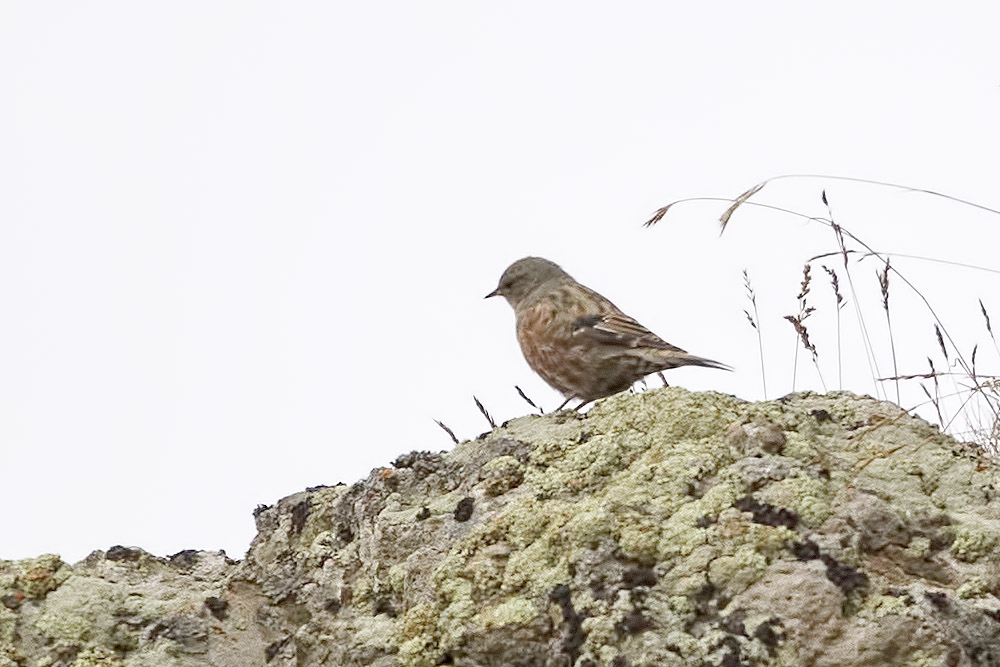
x=563 y=405
x=577 y=408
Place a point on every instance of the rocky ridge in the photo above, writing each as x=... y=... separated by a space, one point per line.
x=662 y=528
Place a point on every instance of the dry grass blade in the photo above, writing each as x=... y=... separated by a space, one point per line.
x=803 y=333
x=835 y=283
x=528 y=400
x=838 y=232
x=913 y=376
x=989 y=328
x=658 y=215
x=661 y=212
x=934 y=402
x=936 y=399
x=843 y=234
x=486 y=414
x=798 y=321
x=890 y=255
x=940 y=340
x=739 y=201
x=883 y=282
x=963 y=409
x=897 y=186
x=753 y=319
x=804 y=287
x=978 y=394
x=447 y=430
x=986 y=382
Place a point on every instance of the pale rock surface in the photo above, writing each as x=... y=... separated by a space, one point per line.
x=663 y=528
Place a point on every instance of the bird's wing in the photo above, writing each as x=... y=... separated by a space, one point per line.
x=611 y=326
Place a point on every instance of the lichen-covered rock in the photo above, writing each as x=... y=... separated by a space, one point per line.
x=662 y=528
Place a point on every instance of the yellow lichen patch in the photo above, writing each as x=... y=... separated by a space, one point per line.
x=976 y=538
x=513 y=610
x=808 y=497
x=36 y=577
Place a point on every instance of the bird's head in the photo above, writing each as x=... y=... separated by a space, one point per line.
x=525 y=276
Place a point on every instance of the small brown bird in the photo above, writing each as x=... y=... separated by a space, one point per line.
x=578 y=341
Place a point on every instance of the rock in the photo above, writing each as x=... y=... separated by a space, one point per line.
x=662 y=528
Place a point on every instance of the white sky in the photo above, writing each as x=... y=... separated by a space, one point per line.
x=244 y=245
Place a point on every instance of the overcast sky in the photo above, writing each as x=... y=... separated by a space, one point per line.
x=244 y=245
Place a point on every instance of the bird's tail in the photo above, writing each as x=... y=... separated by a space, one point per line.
x=675 y=359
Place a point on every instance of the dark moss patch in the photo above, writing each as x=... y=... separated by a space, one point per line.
x=805 y=550
x=384 y=606
x=345 y=533
x=574 y=636
x=184 y=560
x=463 y=512
x=767 y=514
x=942 y=539
x=821 y=415
x=765 y=633
x=633 y=623
x=639 y=576
x=422 y=463
x=734 y=623
x=12 y=601
x=848 y=579
x=218 y=607
x=732 y=659
x=300 y=513
x=118 y=553
x=274 y=647
x=938 y=600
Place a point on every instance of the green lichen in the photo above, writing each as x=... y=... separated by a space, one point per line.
x=975 y=539
x=919 y=547
x=502 y=474
x=97 y=656
x=975 y=587
x=513 y=610
x=631 y=510
x=808 y=497
x=878 y=606
x=381 y=632
x=81 y=610
x=36 y=577
x=418 y=635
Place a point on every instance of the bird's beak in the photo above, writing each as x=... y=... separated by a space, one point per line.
x=495 y=292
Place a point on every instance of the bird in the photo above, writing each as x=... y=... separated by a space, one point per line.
x=579 y=342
